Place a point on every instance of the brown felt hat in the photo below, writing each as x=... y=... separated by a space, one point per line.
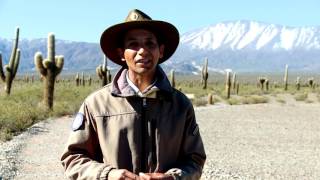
x=112 y=37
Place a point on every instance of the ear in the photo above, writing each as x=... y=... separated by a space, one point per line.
x=161 y=50
x=121 y=54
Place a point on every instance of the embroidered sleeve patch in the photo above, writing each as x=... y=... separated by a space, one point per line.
x=77 y=122
x=195 y=130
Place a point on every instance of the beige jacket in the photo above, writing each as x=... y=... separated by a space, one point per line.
x=115 y=128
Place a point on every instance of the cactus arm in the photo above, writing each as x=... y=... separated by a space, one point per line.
x=14 y=49
x=16 y=64
x=39 y=65
x=51 y=48
x=98 y=71
x=2 y=76
x=59 y=64
x=104 y=67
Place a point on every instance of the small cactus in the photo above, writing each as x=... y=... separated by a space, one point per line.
x=49 y=69
x=234 y=79
x=262 y=80
x=286 y=78
x=83 y=80
x=103 y=72
x=210 y=98
x=311 y=82
x=77 y=78
x=89 y=80
x=267 y=84
x=237 y=89
x=204 y=74
x=172 y=79
x=298 y=84
x=12 y=67
x=228 y=84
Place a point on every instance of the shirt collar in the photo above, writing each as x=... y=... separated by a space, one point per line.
x=145 y=92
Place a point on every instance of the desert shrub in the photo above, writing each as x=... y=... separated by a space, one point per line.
x=254 y=99
x=301 y=96
x=233 y=101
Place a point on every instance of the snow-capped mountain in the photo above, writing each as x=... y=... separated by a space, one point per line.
x=252 y=35
x=250 y=46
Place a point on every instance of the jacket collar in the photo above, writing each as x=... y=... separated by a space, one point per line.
x=121 y=87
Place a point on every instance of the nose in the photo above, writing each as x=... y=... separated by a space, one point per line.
x=142 y=50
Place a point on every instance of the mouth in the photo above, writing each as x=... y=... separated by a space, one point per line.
x=142 y=61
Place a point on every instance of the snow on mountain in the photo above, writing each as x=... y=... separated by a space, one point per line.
x=251 y=35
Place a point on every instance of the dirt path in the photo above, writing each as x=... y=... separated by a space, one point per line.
x=39 y=157
x=265 y=141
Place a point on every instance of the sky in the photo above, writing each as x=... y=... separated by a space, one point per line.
x=85 y=20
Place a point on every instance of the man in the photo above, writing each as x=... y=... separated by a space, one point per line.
x=138 y=124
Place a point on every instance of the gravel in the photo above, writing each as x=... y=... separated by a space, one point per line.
x=263 y=141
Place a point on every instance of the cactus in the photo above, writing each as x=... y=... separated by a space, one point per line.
x=311 y=82
x=204 y=74
x=103 y=72
x=237 y=89
x=172 y=79
x=77 y=78
x=267 y=84
x=49 y=69
x=286 y=78
x=228 y=84
x=89 y=80
x=83 y=80
x=210 y=98
x=262 y=80
x=298 y=84
x=12 y=67
x=234 y=79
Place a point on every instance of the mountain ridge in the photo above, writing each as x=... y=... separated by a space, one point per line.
x=243 y=45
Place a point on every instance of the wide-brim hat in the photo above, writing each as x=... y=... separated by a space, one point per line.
x=112 y=38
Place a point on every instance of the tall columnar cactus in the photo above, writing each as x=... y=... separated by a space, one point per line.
x=12 y=67
x=237 y=89
x=204 y=74
x=210 y=98
x=311 y=82
x=286 y=78
x=298 y=83
x=262 y=80
x=49 y=68
x=228 y=84
x=267 y=84
x=234 y=79
x=83 y=80
x=103 y=72
x=89 y=80
x=172 y=79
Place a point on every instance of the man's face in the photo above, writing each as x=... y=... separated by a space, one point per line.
x=141 y=51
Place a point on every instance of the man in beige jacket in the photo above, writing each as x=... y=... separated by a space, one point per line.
x=138 y=126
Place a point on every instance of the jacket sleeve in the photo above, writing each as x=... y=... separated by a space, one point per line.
x=82 y=157
x=192 y=154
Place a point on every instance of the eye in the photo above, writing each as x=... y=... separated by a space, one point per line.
x=132 y=45
x=151 y=44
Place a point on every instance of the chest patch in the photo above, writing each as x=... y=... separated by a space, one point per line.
x=77 y=122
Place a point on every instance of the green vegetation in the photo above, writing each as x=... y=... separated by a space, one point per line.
x=24 y=106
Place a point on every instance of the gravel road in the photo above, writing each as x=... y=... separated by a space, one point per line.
x=264 y=141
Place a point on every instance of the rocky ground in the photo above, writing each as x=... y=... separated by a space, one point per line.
x=262 y=141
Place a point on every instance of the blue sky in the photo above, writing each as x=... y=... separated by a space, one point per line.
x=85 y=20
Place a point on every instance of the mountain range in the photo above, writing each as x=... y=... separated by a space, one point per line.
x=243 y=46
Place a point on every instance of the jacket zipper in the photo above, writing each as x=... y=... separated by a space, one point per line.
x=143 y=167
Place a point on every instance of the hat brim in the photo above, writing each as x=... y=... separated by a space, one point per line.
x=112 y=38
